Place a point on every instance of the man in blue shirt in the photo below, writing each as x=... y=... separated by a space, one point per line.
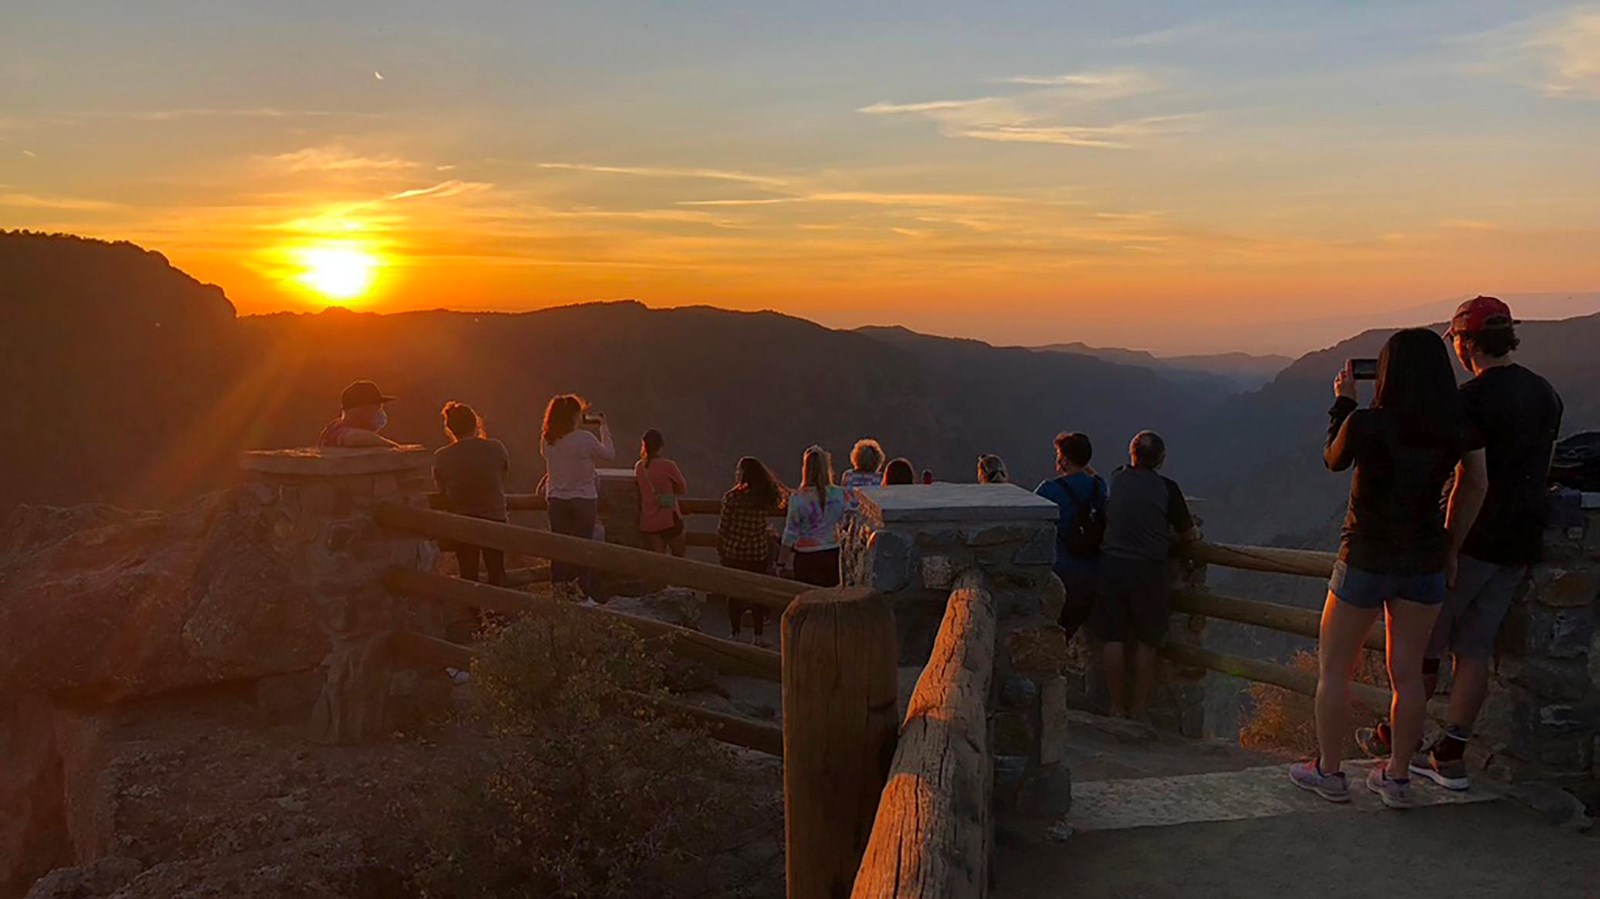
x=1081 y=494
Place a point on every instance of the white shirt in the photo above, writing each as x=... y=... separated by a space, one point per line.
x=569 y=463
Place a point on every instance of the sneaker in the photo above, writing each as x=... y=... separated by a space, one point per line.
x=1448 y=773
x=1394 y=793
x=1374 y=741
x=1308 y=775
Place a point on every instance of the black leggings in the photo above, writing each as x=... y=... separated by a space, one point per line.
x=493 y=559
x=819 y=568
x=737 y=607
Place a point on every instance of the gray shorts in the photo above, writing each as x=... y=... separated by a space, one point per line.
x=1472 y=614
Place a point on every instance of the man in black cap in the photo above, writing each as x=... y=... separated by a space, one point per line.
x=1519 y=415
x=363 y=417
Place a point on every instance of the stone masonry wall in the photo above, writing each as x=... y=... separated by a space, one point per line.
x=1542 y=719
x=910 y=544
x=323 y=501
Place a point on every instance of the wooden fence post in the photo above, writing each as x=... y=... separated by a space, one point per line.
x=839 y=728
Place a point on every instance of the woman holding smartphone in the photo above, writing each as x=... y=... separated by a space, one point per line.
x=1398 y=550
x=574 y=438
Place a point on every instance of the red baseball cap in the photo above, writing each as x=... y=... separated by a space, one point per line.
x=1481 y=314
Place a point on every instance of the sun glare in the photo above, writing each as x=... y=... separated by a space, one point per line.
x=339 y=272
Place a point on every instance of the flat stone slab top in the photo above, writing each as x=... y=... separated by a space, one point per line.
x=955 y=503
x=337 y=461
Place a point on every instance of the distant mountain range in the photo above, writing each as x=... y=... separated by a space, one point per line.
x=130 y=382
x=127 y=381
x=1235 y=372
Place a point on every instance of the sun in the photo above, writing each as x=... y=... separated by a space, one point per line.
x=338 y=271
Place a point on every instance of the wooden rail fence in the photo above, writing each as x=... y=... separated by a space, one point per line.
x=874 y=807
x=932 y=834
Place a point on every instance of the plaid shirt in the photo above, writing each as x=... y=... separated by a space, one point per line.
x=742 y=532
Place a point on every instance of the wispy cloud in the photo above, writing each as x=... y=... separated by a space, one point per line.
x=1557 y=54
x=1066 y=110
x=666 y=172
x=441 y=190
x=66 y=204
x=334 y=159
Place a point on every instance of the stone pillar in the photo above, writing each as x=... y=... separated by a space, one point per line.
x=910 y=543
x=1542 y=719
x=324 y=499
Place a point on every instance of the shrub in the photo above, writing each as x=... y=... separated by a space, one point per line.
x=592 y=795
x=1285 y=721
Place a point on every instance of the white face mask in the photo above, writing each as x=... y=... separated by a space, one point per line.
x=380 y=420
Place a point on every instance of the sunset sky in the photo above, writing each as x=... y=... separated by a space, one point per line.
x=1167 y=175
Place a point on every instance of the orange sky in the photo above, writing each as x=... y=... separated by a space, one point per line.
x=1164 y=180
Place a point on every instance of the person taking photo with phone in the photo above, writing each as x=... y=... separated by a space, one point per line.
x=1398 y=550
x=573 y=439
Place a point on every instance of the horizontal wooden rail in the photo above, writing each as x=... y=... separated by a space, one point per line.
x=760 y=589
x=1271 y=615
x=723 y=655
x=732 y=729
x=931 y=836
x=1375 y=699
x=534 y=502
x=1272 y=559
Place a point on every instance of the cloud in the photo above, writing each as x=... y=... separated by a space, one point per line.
x=70 y=204
x=1055 y=109
x=334 y=159
x=440 y=190
x=1557 y=54
x=658 y=172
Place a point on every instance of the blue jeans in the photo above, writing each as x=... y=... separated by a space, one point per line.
x=575 y=518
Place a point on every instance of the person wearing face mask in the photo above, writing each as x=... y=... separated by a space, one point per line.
x=361 y=419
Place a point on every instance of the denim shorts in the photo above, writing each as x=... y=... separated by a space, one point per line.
x=1370 y=590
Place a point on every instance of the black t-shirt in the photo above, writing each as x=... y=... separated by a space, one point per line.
x=1519 y=415
x=1394 y=524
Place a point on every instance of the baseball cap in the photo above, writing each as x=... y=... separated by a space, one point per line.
x=1481 y=314
x=362 y=393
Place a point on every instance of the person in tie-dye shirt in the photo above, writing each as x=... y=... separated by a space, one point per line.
x=811 y=531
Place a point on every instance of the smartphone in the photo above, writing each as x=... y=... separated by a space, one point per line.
x=1362 y=369
x=591 y=418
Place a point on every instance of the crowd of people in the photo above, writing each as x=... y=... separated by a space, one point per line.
x=1444 y=573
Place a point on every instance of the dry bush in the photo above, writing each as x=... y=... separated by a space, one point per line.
x=594 y=796
x=1284 y=721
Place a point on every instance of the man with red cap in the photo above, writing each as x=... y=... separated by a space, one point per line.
x=360 y=419
x=1519 y=415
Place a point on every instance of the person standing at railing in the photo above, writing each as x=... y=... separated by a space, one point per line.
x=992 y=470
x=661 y=483
x=573 y=439
x=1145 y=509
x=1398 y=551
x=361 y=418
x=866 y=464
x=1519 y=415
x=1081 y=494
x=471 y=472
x=810 y=549
x=744 y=535
x=899 y=472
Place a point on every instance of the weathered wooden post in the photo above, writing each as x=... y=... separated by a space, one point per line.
x=839 y=729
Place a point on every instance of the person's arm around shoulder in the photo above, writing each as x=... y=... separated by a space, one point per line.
x=1178 y=514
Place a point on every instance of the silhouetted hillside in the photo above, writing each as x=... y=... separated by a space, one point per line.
x=1234 y=372
x=108 y=356
x=135 y=384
